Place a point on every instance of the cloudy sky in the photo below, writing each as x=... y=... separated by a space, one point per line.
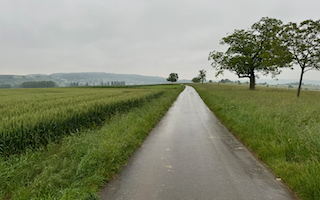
x=147 y=37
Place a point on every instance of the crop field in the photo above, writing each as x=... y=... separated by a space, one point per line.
x=33 y=117
x=95 y=131
x=283 y=130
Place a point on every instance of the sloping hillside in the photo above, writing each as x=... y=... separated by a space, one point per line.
x=97 y=78
x=81 y=79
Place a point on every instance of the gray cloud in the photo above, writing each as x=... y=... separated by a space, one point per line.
x=130 y=36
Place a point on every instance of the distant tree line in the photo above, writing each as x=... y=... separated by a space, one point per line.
x=38 y=84
x=6 y=76
x=74 y=84
x=5 y=86
x=116 y=83
x=225 y=81
x=296 y=83
x=112 y=83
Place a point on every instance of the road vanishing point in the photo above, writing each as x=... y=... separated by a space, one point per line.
x=191 y=155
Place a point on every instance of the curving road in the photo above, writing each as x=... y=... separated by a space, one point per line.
x=190 y=155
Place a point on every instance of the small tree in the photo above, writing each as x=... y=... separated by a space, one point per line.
x=202 y=75
x=196 y=80
x=258 y=49
x=173 y=77
x=225 y=81
x=303 y=42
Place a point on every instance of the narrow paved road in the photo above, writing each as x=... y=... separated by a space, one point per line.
x=190 y=155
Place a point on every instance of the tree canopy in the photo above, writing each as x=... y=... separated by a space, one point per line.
x=196 y=80
x=173 y=77
x=303 y=42
x=38 y=84
x=202 y=75
x=257 y=50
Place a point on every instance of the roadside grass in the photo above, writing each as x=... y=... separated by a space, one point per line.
x=280 y=128
x=279 y=86
x=81 y=163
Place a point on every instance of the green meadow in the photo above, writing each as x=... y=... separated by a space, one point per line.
x=283 y=130
x=66 y=143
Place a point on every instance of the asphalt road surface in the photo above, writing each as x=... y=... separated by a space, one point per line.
x=190 y=155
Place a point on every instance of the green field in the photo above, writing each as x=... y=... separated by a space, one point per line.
x=95 y=131
x=32 y=117
x=280 y=128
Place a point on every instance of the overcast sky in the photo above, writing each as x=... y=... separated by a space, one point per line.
x=147 y=37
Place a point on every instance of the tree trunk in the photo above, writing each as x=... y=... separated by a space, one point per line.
x=252 y=81
x=301 y=76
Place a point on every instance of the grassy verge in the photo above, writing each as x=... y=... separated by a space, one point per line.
x=280 y=128
x=80 y=164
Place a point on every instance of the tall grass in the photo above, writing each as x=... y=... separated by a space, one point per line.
x=33 y=117
x=283 y=130
x=80 y=164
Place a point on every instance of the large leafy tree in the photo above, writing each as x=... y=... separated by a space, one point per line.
x=173 y=77
x=303 y=42
x=257 y=50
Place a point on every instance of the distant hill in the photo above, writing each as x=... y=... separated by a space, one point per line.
x=85 y=78
x=15 y=81
x=96 y=78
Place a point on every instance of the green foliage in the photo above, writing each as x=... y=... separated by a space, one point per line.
x=31 y=118
x=38 y=84
x=15 y=81
x=303 y=42
x=202 y=75
x=81 y=163
x=173 y=77
x=196 y=80
x=225 y=81
x=258 y=49
x=281 y=129
x=5 y=86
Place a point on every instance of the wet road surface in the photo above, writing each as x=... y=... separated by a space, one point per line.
x=190 y=155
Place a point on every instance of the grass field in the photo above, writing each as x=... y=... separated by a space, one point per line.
x=278 y=86
x=82 y=161
x=33 y=117
x=283 y=130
